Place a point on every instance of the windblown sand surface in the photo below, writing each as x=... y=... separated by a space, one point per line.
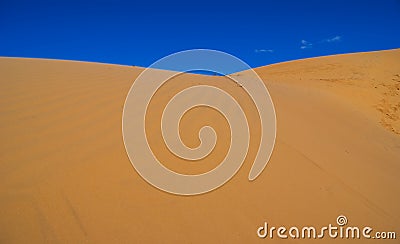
x=65 y=176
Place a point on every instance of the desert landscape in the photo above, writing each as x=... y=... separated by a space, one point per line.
x=65 y=176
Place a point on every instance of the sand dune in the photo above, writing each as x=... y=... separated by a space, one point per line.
x=65 y=176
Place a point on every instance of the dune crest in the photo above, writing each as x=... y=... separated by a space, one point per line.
x=65 y=175
x=370 y=82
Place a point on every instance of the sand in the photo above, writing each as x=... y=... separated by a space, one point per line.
x=65 y=176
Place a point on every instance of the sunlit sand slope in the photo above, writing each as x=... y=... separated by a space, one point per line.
x=65 y=176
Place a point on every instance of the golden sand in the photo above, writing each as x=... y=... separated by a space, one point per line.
x=65 y=176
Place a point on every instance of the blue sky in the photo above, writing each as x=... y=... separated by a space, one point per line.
x=139 y=33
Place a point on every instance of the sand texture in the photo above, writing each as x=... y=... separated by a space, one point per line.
x=65 y=176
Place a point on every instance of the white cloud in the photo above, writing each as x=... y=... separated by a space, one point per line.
x=305 y=44
x=263 y=50
x=333 y=39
